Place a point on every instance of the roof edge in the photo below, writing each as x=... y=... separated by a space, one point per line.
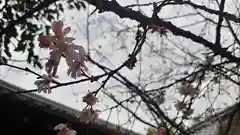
x=213 y=118
x=65 y=108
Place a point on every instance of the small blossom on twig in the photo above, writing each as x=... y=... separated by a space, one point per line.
x=64 y=130
x=61 y=45
x=90 y=99
x=44 y=84
x=88 y=115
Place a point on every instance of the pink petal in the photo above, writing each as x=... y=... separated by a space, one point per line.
x=69 y=39
x=46 y=77
x=79 y=48
x=57 y=27
x=81 y=56
x=69 y=71
x=66 y=30
x=45 y=41
x=37 y=82
x=69 y=61
x=60 y=126
x=73 y=131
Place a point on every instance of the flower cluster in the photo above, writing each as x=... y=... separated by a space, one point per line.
x=60 y=45
x=89 y=114
x=64 y=130
x=90 y=99
x=44 y=84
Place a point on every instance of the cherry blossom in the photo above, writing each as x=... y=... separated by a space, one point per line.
x=88 y=115
x=90 y=99
x=44 y=84
x=61 y=45
x=76 y=61
x=45 y=41
x=64 y=130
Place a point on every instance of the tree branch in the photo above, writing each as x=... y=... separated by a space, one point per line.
x=29 y=14
x=113 y=6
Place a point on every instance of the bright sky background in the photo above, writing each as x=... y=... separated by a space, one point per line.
x=103 y=28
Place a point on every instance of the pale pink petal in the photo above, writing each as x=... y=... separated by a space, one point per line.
x=74 y=73
x=79 y=48
x=49 y=66
x=44 y=84
x=45 y=41
x=46 y=77
x=57 y=27
x=66 y=30
x=64 y=130
x=88 y=115
x=60 y=126
x=69 y=39
x=69 y=71
x=37 y=82
x=69 y=61
x=73 y=131
x=53 y=62
x=72 y=55
x=90 y=99
x=77 y=69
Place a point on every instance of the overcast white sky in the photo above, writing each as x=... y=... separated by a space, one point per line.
x=103 y=30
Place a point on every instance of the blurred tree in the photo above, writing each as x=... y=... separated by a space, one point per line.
x=21 y=22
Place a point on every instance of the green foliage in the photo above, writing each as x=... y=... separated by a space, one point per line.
x=27 y=29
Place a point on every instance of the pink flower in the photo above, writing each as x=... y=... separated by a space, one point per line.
x=88 y=115
x=90 y=99
x=61 y=45
x=59 y=39
x=44 y=84
x=53 y=62
x=64 y=130
x=45 y=41
x=58 y=30
x=75 y=59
